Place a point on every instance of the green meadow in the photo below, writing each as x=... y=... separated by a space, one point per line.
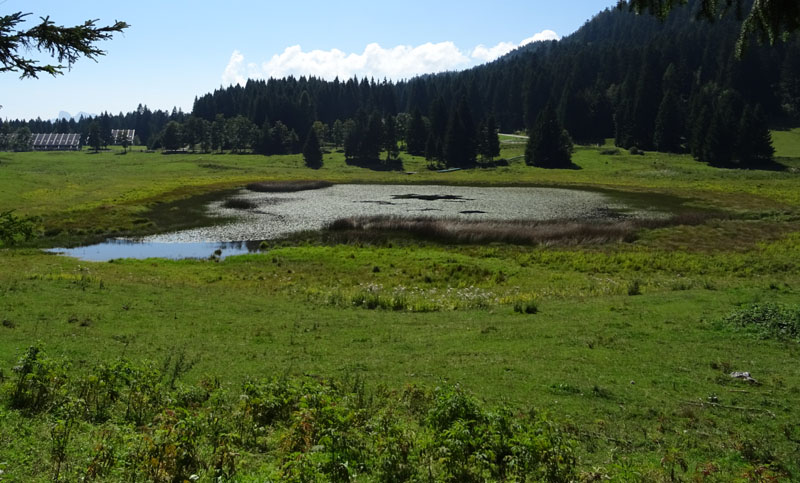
x=617 y=356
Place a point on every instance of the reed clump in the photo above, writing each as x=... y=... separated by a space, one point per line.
x=524 y=232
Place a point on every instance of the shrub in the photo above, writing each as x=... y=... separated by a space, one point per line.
x=14 y=229
x=768 y=320
x=526 y=307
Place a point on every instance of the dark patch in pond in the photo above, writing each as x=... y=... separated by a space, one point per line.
x=472 y=212
x=239 y=204
x=287 y=186
x=116 y=248
x=376 y=202
x=413 y=196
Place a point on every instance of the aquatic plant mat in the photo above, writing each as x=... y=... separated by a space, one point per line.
x=526 y=232
x=287 y=186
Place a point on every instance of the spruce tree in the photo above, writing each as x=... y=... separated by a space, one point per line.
x=390 y=138
x=720 y=139
x=492 y=139
x=416 y=134
x=754 y=144
x=669 y=124
x=312 y=153
x=94 y=139
x=459 y=141
x=549 y=145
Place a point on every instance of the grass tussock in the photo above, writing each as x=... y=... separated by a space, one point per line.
x=767 y=320
x=287 y=186
x=523 y=232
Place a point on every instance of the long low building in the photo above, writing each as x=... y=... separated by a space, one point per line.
x=55 y=142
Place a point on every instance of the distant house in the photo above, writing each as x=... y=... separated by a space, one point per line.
x=55 y=142
x=130 y=133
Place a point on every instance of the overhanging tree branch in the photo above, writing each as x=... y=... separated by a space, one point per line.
x=66 y=44
x=769 y=21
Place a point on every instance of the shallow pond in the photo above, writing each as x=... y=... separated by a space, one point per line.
x=274 y=215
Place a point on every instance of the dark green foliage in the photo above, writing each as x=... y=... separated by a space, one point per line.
x=123 y=421
x=754 y=145
x=172 y=137
x=737 y=135
x=668 y=136
x=94 y=140
x=459 y=149
x=390 y=138
x=15 y=229
x=488 y=140
x=770 y=21
x=610 y=78
x=416 y=134
x=312 y=153
x=66 y=44
x=549 y=145
x=768 y=320
x=364 y=139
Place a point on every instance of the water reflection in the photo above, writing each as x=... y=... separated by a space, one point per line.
x=126 y=248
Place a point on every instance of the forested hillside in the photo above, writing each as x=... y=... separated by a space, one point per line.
x=674 y=85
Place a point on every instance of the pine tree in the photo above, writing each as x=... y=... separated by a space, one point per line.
x=492 y=139
x=459 y=141
x=390 y=138
x=669 y=125
x=94 y=139
x=754 y=144
x=720 y=140
x=312 y=153
x=416 y=134
x=549 y=145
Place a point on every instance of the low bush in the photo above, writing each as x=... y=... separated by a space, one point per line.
x=768 y=320
x=128 y=422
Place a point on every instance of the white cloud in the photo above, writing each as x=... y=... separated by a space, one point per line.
x=233 y=71
x=400 y=62
x=488 y=54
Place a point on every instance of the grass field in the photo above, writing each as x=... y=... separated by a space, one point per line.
x=625 y=347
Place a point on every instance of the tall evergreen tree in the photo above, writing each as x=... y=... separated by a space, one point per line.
x=172 y=138
x=416 y=134
x=488 y=139
x=754 y=143
x=312 y=153
x=549 y=145
x=459 y=142
x=94 y=139
x=668 y=133
x=390 y=138
x=720 y=140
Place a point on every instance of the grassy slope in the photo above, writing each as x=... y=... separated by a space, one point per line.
x=623 y=368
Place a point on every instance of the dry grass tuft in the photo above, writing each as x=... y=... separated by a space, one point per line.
x=523 y=232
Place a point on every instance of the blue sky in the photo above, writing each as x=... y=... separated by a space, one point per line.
x=176 y=50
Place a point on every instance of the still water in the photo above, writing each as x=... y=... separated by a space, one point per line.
x=274 y=215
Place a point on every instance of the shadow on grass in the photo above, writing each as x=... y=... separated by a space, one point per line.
x=377 y=164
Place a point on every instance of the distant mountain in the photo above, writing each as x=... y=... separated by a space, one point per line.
x=64 y=115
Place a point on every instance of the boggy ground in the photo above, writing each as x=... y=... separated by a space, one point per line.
x=625 y=346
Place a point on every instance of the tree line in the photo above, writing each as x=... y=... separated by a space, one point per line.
x=675 y=85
